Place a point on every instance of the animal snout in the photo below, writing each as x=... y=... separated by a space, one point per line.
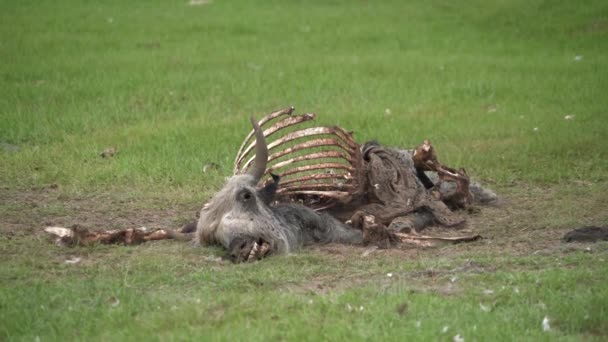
x=246 y=248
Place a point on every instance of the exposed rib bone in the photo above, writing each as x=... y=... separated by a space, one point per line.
x=311 y=156
x=285 y=111
x=311 y=144
x=339 y=195
x=290 y=121
x=303 y=179
x=305 y=145
x=337 y=131
x=310 y=132
x=305 y=168
x=347 y=137
x=318 y=186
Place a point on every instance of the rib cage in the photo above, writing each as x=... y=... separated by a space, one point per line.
x=318 y=165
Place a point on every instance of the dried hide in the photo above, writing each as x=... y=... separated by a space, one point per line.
x=392 y=190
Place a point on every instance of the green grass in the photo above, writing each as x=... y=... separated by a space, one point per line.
x=167 y=291
x=172 y=85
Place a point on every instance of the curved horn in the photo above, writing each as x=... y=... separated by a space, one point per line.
x=261 y=152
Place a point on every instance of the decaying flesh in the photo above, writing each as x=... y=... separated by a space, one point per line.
x=375 y=233
x=425 y=159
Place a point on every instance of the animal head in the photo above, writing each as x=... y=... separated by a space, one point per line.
x=239 y=201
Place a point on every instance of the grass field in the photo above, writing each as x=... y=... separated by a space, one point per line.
x=171 y=85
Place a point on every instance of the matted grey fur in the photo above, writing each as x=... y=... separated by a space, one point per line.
x=241 y=211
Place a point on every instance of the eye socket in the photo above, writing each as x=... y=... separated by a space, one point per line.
x=245 y=195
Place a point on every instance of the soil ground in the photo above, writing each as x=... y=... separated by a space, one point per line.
x=528 y=219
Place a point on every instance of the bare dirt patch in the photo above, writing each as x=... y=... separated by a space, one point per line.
x=530 y=220
x=28 y=212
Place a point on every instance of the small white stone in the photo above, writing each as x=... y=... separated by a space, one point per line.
x=387 y=111
x=578 y=58
x=458 y=338
x=535 y=129
x=546 y=326
x=390 y=275
x=254 y=66
x=418 y=324
x=445 y=329
x=199 y=2
x=484 y=308
x=73 y=260
x=369 y=250
x=114 y=302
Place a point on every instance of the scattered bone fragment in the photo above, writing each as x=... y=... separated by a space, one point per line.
x=109 y=152
x=454 y=239
x=78 y=235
